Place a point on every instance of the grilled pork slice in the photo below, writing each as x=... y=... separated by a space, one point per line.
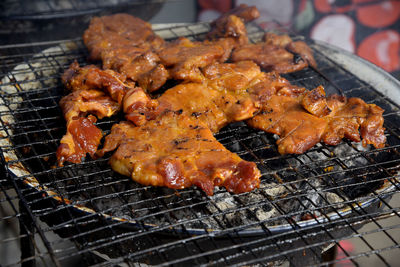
x=277 y=53
x=177 y=151
x=356 y=120
x=184 y=58
x=230 y=92
x=244 y=12
x=119 y=31
x=92 y=77
x=231 y=25
x=302 y=120
x=127 y=44
x=82 y=135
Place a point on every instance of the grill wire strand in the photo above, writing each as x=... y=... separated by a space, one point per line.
x=45 y=9
x=164 y=227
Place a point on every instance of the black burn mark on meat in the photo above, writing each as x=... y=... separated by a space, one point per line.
x=297 y=58
x=180 y=141
x=196 y=114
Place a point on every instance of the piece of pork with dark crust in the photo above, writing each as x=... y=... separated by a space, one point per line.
x=177 y=151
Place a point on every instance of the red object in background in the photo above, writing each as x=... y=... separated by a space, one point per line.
x=326 y=6
x=379 y=15
x=341 y=256
x=221 y=6
x=382 y=49
x=362 y=1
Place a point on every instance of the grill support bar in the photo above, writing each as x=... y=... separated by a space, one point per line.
x=26 y=231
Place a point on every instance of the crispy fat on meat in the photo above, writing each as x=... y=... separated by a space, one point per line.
x=177 y=151
x=82 y=135
x=277 y=53
x=300 y=125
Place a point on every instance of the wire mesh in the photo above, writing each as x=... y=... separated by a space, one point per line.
x=87 y=213
x=48 y=9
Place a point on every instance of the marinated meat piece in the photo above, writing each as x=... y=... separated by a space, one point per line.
x=119 y=31
x=351 y=118
x=244 y=12
x=278 y=53
x=302 y=49
x=184 y=58
x=138 y=65
x=284 y=115
x=231 y=24
x=299 y=130
x=82 y=135
x=126 y=44
x=154 y=78
x=227 y=45
x=277 y=40
x=177 y=152
x=234 y=77
x=139 y=107
x=195 y=100
x=270 y=58
x=230 y=31
x=91 y=77
x=232 y=28
x=82 y=102
x=116 y=58
x=146 y=70
x=314 y=101
x=230 y=92
x=82 y=138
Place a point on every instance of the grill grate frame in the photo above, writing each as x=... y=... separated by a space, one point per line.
x=38 y=124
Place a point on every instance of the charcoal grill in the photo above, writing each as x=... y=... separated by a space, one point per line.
x=305 y=204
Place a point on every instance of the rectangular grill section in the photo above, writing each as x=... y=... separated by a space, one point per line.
x=87 y=212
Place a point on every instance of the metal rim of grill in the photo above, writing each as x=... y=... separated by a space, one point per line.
x=361 y=208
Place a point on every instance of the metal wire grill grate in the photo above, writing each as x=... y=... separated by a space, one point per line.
x=86 y=212
x=47 y=9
